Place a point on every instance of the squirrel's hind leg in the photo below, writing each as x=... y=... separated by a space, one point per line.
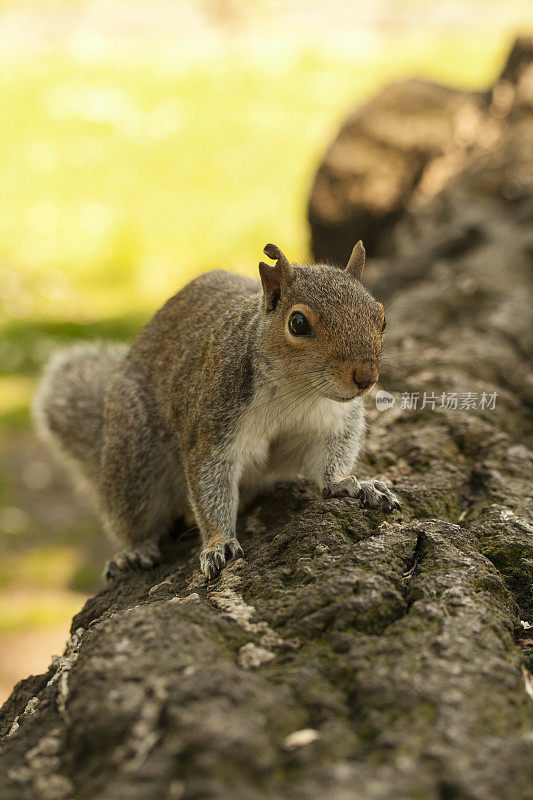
x=141 y=488
x=145 y=556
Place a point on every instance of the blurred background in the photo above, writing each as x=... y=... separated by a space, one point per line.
x=141 y=143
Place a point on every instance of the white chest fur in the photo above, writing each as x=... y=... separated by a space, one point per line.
x=283 y=428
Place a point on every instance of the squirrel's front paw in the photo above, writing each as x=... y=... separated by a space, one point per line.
x=212 y=559
x=348 y=487
x=373 y=494
x=376 y=494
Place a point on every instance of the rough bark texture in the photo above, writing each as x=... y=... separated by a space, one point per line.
x=350 y=655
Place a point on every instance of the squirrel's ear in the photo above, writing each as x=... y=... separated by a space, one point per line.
x=357 y=261
x=275 y=278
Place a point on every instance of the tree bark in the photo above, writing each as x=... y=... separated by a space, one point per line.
x=351 y=654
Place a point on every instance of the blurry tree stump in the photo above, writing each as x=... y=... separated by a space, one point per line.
x=396 y=152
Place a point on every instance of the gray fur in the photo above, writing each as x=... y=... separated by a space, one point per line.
x=68 y=408
x=216 y=399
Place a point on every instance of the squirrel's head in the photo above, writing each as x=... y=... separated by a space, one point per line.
x=323 y=328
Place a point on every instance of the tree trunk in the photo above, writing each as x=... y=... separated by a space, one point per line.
x=351 y=655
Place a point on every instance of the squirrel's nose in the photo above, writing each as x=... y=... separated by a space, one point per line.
x=365 y=377
x=366 y=384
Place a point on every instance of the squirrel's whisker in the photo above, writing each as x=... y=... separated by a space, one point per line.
x=407 y=288
x=289 y=386
x=291 y=393
x=390 y=360
x=298 y=402
x=295 y=388
x=294 y=404
x=286 y=382
x=184 y=533
x=281 y=378
x=300 y=393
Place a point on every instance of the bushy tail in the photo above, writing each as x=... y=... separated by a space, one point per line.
x=69 y=405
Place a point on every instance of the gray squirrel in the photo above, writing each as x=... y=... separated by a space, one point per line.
x=230 y=387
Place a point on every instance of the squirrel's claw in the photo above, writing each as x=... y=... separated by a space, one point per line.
x=212 y=559
x=374 y=494
x=145 y=556
x=233 y=549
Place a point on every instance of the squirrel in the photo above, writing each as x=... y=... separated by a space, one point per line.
x=231 y=386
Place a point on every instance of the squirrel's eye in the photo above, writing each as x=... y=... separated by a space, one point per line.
x=384 y=325
x=298 y=324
